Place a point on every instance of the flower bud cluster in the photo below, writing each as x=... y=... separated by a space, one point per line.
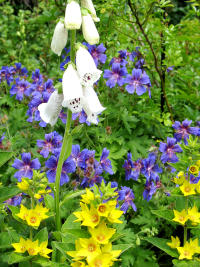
x=98 y=216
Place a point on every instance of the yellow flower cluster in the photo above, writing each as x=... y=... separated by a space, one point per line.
x=190 y=248
x=96 y=250
x=32 y=247
x=191 y=214
x=33 y=217
x=186 y=187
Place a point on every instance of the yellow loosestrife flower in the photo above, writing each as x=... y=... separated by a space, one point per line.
x=194 y=244
x=197 y=187
x=175 y=242
x=114 y=216
x=23 y=185
x=102 y=233
x=194 y=169
x=186 y=252
x=88 y=197
x=103 y=209
x=40 y=210
x=43 y=250
x=179 y=179
x=198 y=163
x=194 y=215
x=89 y=248
x=24 y=212
x=187 y=188
x=78 y=264
x=180 y=217
x=102 y=260
x=21 y=246
x=90 y=217
x=108 y=249
x=32 y=247
x=33 y=219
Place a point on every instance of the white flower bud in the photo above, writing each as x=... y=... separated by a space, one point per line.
x=86 y=67
x=50 y=111
x=73 y=16
x=59 y=39
x=91 y=104
x=89 y=5
x=90 y=32
x=72 y=90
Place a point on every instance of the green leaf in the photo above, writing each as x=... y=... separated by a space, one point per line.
x=70 y=224
x=62 y=247
x=4 y=157
x=161 y=243
x=8 y=192
x=42 y=235
x=178 y=263
x=70 y=235
x=49 y=202
x=71 y=195
x=165 y=214
x=13 y=257
x=68 y=147
x=77 y=129
x=122 y=247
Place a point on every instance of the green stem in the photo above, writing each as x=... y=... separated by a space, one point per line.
x=185 y=226
x=64 y=145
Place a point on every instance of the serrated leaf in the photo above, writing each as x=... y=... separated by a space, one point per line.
x=42 y=235
x=4 y=157
x=165 y=214
x=178 y=263
x=8 y=192
x=161 y=243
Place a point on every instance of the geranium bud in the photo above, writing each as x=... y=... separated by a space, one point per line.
x=73 y=16
x=72 y=90
x=50 y=111
x=90 y=32
x=89 y=5
x=59 y=39
x=86 y=67
x=91 y=105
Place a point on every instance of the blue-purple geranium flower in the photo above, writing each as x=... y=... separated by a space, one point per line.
x=150 y=190
x=126 y=194
x=183 y=130
x=105 y=162
x=121 y=59
x=169 y=150
x=52 y=141
x=150 y=169
x=97 y=53
x=69 y=166
x=25 y=166
x=20 y=88
x=132 y=169
x=115 y=76
x=137 y=82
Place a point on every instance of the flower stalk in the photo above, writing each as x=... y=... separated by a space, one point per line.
x=64 y=146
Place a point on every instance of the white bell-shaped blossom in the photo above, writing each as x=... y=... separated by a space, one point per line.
x=91 y=104
x=89 y=5
x=59 y=39
x=73 y=18
x=72 y=90
x=89 y=29
x=50 y=111
x=86 y=67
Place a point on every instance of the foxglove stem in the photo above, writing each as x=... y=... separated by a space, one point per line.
x=64 y=145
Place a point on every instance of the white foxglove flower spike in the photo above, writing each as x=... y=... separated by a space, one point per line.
x=86 y=67
x=59 y=39
x=73 y=18
x=50 y=111
x=89 y=5
x=90 y=32
x=91 y=105
x=72 y=90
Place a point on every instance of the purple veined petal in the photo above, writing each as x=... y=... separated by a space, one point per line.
x=173 y=158
x=164 y=157
x=115 y=67
x=133 y=206
x=35 y=164
x=75 y=151
x=69 y=166
x=44 y=152
x=176 y=125
x=19 y=175
x=171 y=141
x=18 y=164
x=144 y=79
x=177 y=149
x=28 y=173
x=178 y=136
x=102 y=58
x=26 y=157
x=186 y=123
x=120 y=81
x=13 y=90
x=40 y=143
x=64 y=178
x=19 y=96
x=51 y=163
x=130 y=88
x=162 y=147
x=136 y=73
x=107 y=74
x=193 y=130
x=51 y=175
x=140 y=90
x=111 y=83
x=124 y=207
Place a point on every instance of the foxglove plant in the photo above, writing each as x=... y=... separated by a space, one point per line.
x=59 y=39
x=89 y=5
x=73 y=15
x=89 y=29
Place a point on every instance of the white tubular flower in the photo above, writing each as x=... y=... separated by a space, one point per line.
x=73 y=18
x=90 y=32
x=50 y=111
x=91 y=105
x=86 y=67
x=89 y=5
x=59 y=39
x=72 y=90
